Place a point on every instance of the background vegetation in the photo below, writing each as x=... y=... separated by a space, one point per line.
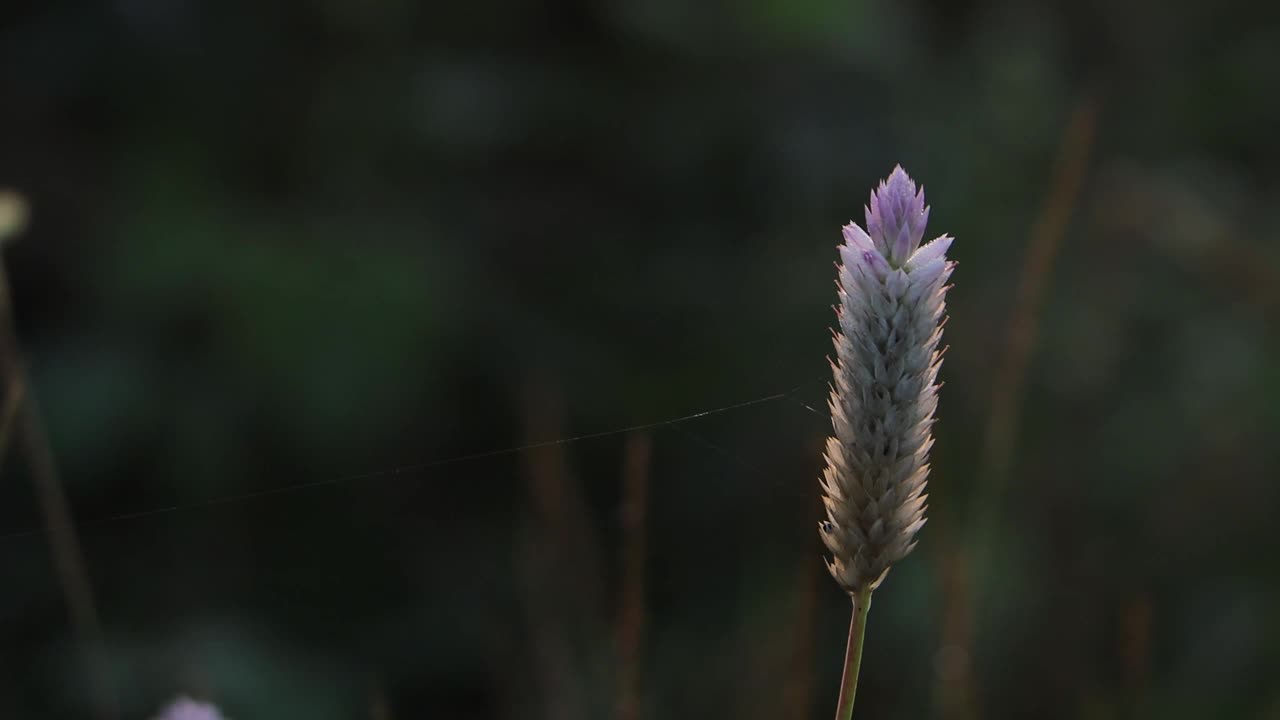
x=357 y=246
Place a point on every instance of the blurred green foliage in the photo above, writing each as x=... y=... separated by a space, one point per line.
x=331 y=243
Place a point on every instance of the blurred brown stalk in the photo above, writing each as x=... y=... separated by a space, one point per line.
x=964 y=571
x=631 y=606
x=798 y=685
x=559 y=559
x=22 y=419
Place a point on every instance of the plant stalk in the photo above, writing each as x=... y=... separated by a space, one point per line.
x=853 y=654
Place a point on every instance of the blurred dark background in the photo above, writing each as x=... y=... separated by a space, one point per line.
x=293 y=272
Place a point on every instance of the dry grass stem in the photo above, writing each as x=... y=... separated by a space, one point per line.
x=631 y=605
x=957 y=689
x=22 y=418
x=1037 y=270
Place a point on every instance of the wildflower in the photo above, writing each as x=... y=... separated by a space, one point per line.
x=885 y=392
x=892 y=300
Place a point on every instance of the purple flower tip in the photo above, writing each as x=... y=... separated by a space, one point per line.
x=896 y=217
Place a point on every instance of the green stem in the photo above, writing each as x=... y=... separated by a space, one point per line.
x=853 y=654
